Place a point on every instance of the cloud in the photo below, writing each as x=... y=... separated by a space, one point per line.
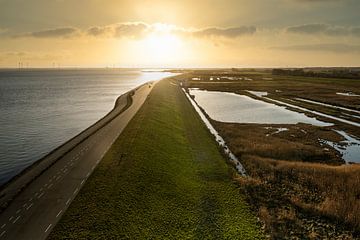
x=119 y=30
x=131 y=30
x=330 y=47
x=139 y=29
x=325 y=29
x=308 y=28
x=232 y=32
x=61 y=32
x=355 y=31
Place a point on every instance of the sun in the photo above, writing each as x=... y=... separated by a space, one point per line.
x=161 y=47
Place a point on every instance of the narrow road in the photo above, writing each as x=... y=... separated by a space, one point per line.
x=36 y=210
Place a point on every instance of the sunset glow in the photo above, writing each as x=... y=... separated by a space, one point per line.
x=179 y=33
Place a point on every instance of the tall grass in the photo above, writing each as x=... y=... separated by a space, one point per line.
x=331 y=191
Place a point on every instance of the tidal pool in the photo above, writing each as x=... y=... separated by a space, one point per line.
x=231 y=107
x=349 y=148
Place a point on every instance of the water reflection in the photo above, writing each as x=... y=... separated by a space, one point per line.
x=230 y=107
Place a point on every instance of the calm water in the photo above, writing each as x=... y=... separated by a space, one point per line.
x=41 y=109
x=231 y=107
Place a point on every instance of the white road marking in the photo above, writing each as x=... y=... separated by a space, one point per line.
x=29 y=206
x=82 y=182
x=88 y=174
x=57 y=215
x=16 y=219
x=30 y=199
x=68 y=201
x=41 y=189
x=77 y=189
x=11 y=218
x=24 y=205
x=58 y=178
x=2 y=234
x=41 y=195
x=17 y=212
x=47 y=229
x=3 y=225
x=50 y=186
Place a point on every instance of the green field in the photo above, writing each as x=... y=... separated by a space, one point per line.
x=164 y=178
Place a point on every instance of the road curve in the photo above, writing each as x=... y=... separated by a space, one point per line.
x=36 y=209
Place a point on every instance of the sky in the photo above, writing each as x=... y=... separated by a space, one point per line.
x=179 y=33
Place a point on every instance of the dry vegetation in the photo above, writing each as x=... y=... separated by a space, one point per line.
x=296 y=198
x=299 y=143
x=304 y=199
x=299 y=186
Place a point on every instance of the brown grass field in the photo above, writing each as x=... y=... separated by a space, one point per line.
x=300 y=188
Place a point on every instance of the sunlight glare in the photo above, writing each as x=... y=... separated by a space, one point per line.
x=162 y=47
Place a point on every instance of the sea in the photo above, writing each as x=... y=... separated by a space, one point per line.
x=40 y=109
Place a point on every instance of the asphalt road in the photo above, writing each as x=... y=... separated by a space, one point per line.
x=35 y=211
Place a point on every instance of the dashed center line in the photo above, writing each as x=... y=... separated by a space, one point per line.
x=16 y=219
x=47 y=229
x=29 y=206
x=68 y=167
x=40 y=195
x=59 y=213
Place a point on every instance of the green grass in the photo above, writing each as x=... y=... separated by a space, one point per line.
x=164 y=178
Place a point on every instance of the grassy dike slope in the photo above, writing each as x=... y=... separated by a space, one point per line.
x=163 y=178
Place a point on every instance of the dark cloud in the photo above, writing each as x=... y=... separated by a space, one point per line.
x=131 y=30
x=62 y=32
x=308 y=28
x=139 y=29
x=326 y=29
x=335 y=48
x=232 y=32
x=356 y=31
x=119 y=30
x=99 y=31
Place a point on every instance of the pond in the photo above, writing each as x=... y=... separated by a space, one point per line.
x=231 y=107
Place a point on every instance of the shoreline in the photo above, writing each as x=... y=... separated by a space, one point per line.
x=10 y=189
